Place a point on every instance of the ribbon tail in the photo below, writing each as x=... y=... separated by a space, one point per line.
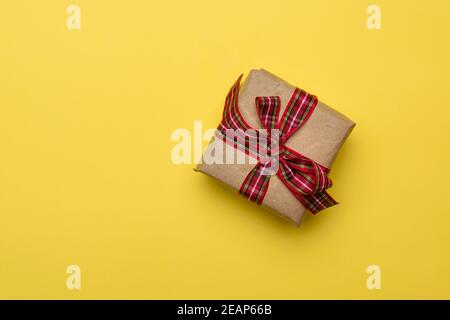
x=317 y=201
x=255 y=184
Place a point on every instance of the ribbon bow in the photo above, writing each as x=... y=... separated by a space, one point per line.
x=305 y=179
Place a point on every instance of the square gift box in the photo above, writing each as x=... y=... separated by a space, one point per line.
x=301 y=179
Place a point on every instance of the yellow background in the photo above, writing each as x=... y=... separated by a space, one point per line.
x=86 y=176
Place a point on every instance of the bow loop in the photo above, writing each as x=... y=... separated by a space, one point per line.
x=308 y=177
x=268 y=110
x=297 y=112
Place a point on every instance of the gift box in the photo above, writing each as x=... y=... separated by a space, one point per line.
x=305 y=133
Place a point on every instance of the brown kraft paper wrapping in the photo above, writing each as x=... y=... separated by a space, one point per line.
x=320 y=138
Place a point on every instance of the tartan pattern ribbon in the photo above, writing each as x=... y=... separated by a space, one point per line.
x=304 y=178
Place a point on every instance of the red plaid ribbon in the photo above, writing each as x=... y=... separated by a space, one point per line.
x=305 y=179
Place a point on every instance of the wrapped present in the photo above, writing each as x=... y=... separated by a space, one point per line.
x=282 y=141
